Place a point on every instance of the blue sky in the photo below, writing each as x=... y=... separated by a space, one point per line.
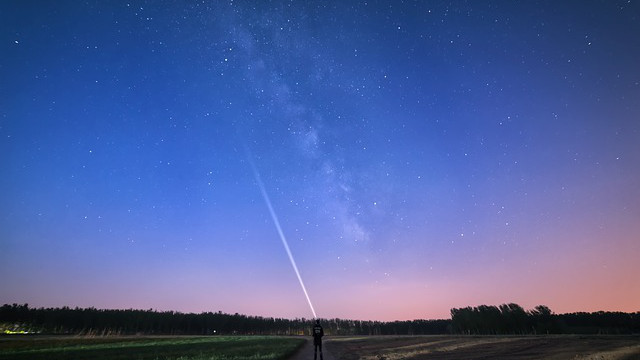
x=419 y=156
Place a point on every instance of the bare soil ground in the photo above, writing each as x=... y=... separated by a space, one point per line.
x=485 y=347
x=306 y=353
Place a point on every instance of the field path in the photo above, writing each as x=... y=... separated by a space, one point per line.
x=306 y=352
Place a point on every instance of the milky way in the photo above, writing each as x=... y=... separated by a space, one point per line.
x=419 y=156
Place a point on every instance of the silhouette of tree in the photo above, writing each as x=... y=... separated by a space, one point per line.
x=484 y=319
x=513 y=319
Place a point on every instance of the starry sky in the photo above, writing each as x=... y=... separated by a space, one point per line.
x=419 y=155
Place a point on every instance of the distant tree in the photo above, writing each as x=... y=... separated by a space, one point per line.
x=514 y=318
x=541 y=320
x=484 y=319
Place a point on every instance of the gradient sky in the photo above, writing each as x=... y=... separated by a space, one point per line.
x=419 y=155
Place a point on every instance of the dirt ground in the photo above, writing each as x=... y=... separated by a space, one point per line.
x=306 y=352
x=485 y=347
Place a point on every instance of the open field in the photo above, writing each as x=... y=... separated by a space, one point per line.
x=485 y=347
x=553 y=347
x=147 y=348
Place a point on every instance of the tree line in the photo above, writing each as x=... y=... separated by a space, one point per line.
x=484 y=319
x=513 y=319
x=90 y=321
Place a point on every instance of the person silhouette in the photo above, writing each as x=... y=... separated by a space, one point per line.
x=318 y=333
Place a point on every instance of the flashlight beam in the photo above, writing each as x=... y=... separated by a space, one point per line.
x=265 y=196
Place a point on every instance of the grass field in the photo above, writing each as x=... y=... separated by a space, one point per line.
x=148 y=348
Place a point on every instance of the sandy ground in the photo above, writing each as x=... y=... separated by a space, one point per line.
x=484 y=347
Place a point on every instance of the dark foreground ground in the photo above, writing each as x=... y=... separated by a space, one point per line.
x=37 y=347
x=484 y=347
x=336 y=348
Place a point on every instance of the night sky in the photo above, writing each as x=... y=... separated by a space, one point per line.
x=419 y=156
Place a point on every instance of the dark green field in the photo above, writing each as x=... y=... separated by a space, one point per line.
x=147 y=348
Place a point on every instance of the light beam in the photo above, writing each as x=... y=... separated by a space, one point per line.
x=265 y=196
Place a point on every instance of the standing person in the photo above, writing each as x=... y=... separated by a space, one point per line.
x=318 y=333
